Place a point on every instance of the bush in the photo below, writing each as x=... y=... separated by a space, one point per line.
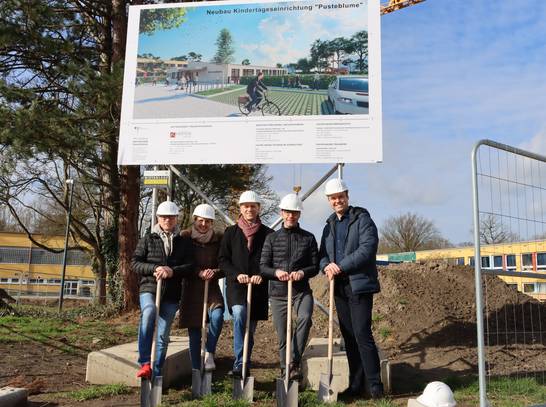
x=285 y=80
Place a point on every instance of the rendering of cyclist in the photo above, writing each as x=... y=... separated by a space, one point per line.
x=254 y=90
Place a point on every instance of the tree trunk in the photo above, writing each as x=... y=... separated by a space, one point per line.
x=128 y=233
x=129 y=176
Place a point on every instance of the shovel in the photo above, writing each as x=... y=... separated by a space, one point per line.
x=287 y=390
x=244 y=388
x=326 y=393
x=151 y=389
x=201 y=379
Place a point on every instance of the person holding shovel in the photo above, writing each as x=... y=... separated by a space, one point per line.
x=239 y=258
x=160 y=255
x=347 y=254
x=290 y=253
x=206 y=244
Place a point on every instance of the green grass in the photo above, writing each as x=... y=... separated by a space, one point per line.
x=64 y=332
x=501 y=392
x=385 y=332
x=97 y=392
x=218 y=90
x=291 y=103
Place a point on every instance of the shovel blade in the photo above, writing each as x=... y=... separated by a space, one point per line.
x=157 y=391
x=326 y=393
x=201 y=383
x=244 y=389
x=145 y=392
x=287 y=395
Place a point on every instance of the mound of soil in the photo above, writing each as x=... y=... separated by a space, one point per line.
x=425 y=323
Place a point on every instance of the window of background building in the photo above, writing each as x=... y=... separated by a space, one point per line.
x=485 y=262
x=513 y=286
x=527 y=261
x=497 y=262
x=3 y=280
x=528 y=287
x=459 y=261
x=471 y=261
x=541 y=288
x=510 y=261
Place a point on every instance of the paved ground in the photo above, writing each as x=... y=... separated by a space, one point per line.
x=164 y=102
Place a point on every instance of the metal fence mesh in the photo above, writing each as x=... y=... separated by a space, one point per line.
x=510 y=193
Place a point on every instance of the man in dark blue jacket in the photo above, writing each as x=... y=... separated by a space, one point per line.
x=347 y=254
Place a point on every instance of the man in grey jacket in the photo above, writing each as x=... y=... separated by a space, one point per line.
x=347 y=254
x=290 y=253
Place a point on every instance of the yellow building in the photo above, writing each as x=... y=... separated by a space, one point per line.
x=529 y=257
x=28 y=270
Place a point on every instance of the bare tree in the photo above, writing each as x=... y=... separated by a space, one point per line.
x=493 y=231
x=409 y=232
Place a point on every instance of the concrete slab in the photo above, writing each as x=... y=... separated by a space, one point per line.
x=118 y=364
x=315 y=362
x=13 y=397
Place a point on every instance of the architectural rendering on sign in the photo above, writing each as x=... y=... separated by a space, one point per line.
x=254 y=62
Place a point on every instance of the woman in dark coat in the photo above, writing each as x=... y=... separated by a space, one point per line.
x=205 y=243
x=239 y=258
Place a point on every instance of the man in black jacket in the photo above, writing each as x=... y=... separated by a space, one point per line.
x=255 y=89
x=160 y=255
x=290 y=254
x=239 y=258
x=347 y=253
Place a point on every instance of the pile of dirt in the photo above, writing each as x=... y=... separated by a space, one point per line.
x=425 y=322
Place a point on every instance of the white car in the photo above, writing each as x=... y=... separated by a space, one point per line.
x=349 y=94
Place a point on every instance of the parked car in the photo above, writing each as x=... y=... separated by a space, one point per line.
x=349 y=94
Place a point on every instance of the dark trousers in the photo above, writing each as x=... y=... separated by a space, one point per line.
x=355 y=319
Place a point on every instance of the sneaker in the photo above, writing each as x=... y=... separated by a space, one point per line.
x=209 y=361
x=295 y=372
x=377 y=392
x=145 y=371
x=236 y=372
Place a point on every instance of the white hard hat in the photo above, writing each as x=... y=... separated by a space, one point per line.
x=335 y=186
x=167 y=208
x=204 y=211
x=291 y=202
x=437 y=394
x=249 y=197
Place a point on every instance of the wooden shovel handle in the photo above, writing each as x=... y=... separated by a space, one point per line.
x=331 y=327
x=247 y=328
x=204 y=323
x=288 y=331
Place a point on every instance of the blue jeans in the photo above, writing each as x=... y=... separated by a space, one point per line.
x=239 y=321
x=167 y=310
x=216 y=320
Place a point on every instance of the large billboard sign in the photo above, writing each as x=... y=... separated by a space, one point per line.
x=247 y=82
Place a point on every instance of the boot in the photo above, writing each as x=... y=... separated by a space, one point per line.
x=209 y=361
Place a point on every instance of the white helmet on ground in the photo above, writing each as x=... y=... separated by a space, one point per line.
x=335 y=186
x=204 y=211
x=167 y=208
x=436 y=394
x=249 y=197
x=291 y=202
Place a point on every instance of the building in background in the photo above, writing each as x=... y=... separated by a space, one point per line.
x=527 y=257
x=28 y=270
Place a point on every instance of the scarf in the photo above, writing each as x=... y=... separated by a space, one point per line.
x=199 y=237
x=249 y=230
x=166 y=237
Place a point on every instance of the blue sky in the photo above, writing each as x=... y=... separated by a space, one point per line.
x=263 y=38
x=454 y=72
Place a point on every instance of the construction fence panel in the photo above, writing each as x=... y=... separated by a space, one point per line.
x=509 y=188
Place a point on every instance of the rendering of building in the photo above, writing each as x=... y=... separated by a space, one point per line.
x=209 y=72
x=150 y=69
x=28 y=270
x=517 y=257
